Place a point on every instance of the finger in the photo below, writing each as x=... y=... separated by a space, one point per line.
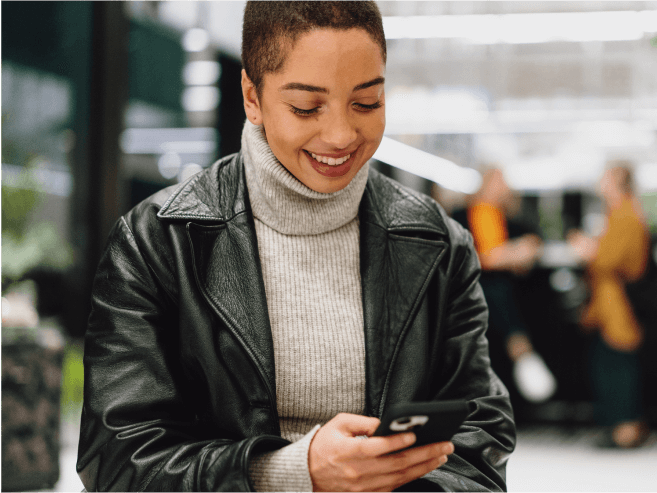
x=431 y=449
x=420 y=470
x=377 y=446
x=393 y=480
x=356 y=425
x=426 y=452
x=409 y=458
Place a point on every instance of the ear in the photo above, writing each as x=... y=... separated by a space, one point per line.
x=251 y=102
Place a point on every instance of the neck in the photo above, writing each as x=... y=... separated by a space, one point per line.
x=615 y=200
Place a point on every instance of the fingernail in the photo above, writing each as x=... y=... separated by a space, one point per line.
x=449 y=448
x=443 y=459
x=409 y=438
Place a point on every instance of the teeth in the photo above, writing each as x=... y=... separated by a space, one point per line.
x=330 y=160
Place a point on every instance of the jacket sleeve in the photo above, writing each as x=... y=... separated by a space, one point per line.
x=139 y=431
x=487 y=438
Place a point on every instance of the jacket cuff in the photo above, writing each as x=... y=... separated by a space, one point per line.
x=285 y=469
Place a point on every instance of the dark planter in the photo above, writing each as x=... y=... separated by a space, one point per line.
x=31 y=387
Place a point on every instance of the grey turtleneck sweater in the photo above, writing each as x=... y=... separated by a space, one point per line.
x=308 y=243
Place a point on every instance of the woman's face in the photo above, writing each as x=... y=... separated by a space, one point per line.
x=323 y=113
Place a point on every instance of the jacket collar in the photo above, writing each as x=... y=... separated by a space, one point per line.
x=220 y=193
x=212 y=196
x=403 y=237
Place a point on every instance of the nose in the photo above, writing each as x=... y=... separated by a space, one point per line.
x=340 y=131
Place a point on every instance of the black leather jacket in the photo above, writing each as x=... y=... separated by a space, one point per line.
x=179 y=362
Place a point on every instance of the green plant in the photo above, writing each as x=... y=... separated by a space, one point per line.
x=26 y=245
x=72 y=380
x=649 y=203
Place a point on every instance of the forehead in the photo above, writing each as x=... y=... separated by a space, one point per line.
x=322 y=52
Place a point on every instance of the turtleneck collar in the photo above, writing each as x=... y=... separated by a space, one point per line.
x=285 y=204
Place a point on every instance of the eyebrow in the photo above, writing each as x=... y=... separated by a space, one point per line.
x=373 y=82
x=297 y=86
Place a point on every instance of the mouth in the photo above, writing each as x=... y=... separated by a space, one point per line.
x=331 y=161
x=331 y=166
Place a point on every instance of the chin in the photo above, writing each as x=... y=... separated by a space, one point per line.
x=323 y=184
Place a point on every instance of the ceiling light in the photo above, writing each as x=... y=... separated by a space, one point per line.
x=200 y=98
x=169 y=164
x=526 y=28
x=436 y=169
x=201 y=73
x=195 y=39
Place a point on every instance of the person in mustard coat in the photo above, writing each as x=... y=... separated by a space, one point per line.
x=619 y=255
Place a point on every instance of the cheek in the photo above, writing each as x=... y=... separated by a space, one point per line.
x=287 y=139
x=375 y=123
x=374 y=130
x=296 y=136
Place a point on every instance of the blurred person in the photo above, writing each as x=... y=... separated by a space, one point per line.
x=250 y=325
x=501 y=258
x=618 y=256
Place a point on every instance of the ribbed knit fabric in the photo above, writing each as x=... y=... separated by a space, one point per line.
x=308 y=244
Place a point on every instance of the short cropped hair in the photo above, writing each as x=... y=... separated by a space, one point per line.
x=270 y=29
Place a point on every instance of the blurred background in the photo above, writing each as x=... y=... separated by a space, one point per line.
x=104 y=103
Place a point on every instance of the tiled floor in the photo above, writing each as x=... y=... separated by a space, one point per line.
x=68 y=477
x=546 y=459
x=562 y=459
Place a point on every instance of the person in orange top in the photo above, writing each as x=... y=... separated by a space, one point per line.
x=619 y=255
x=500 y=256
x=487 y=219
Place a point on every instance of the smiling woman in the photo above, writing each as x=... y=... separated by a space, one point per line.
x=323 y=113
x=251 y=325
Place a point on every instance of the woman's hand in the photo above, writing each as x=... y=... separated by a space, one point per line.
x=339 y=461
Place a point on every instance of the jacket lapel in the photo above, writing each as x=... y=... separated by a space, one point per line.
x=227 y=270
x=398 y=258
x=225 y=258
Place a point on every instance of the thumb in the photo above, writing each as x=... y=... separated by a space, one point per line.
x=355 y=424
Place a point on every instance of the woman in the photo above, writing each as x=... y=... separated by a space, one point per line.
x=251 y=325
x=618 y=256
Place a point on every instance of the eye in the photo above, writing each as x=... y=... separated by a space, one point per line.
x=301 y=112
x=367 y=107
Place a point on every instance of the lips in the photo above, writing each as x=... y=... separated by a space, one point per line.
x=332 y=166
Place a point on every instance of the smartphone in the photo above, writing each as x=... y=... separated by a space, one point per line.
x=431 y=422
